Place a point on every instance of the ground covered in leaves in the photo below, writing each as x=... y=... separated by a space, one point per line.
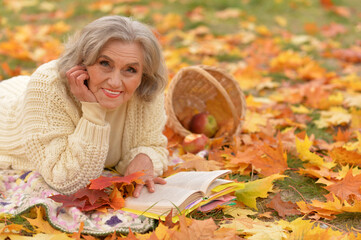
x=298 y=64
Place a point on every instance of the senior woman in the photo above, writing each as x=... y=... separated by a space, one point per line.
x=101 y=104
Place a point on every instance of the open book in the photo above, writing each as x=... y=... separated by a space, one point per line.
x=183 y=192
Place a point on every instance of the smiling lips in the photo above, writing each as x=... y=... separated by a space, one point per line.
x=111 y=93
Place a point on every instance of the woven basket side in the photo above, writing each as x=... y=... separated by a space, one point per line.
x=233 y=89
x=191 y=92
x=222 y=91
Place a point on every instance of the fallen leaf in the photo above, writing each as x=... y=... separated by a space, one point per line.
x=283 y=208
x=255 y=189
x=348 y=188
x=41 y=225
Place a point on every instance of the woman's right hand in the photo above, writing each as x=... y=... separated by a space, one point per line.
x=76 y=77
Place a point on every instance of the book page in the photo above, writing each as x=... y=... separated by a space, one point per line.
x=164 y=198
x=216 y=183
x=199 y=181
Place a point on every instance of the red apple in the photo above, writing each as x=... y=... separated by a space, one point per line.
x=204 y=123
x=194 y=143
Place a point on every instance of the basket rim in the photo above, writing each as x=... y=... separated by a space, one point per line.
x=202 y=69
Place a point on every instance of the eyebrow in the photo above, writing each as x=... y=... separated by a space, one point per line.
x=128 y=64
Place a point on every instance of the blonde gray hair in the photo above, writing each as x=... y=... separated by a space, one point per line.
x=85 y=46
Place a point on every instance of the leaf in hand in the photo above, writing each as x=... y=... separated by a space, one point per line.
x=104 y=182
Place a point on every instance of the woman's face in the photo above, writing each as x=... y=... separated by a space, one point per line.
x=116 y=74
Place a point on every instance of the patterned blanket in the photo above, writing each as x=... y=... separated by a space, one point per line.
x=24 y=190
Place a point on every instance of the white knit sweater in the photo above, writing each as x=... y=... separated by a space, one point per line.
x=42 y=128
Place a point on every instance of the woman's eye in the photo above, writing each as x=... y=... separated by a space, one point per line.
x=104 y=63
x=132 y=70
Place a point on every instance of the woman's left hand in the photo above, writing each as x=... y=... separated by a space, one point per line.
x=142 y=163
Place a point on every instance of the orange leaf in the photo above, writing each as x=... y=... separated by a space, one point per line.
x=194 y=229
x=116 y=199
x=343 y=156
x=13 y=228
x=273 y=160
x=348 y=188
x=77 y=235
x=198 y=163
x=88 y=237
x=130 y=236
x=342 y=136
x=104 y=182
x=326 y=3
x=40 y=224
x=283 y=208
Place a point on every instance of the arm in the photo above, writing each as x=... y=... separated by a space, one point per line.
x=144 y=145
x=67 y=149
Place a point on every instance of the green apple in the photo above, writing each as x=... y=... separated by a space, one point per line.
x=204 y=123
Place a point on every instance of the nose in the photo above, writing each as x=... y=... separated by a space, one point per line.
x=115 y=80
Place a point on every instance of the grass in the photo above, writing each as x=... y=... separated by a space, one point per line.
x=252 y=14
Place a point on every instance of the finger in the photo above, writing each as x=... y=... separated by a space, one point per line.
x=159 y=180
x=79 y=77
x=137 y=190
x=150 y=185
x=73 y=69
x=73 y=76
x=80 y=81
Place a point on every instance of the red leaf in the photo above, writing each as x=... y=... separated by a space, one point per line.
x=92 y=194
x=104 y=182
x=326 y=3
x=283 y=208
x=69 y=201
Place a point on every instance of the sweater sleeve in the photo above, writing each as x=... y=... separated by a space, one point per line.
x=66 y=148
x=143 y=133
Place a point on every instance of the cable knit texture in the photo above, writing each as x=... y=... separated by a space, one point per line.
x=42 y=127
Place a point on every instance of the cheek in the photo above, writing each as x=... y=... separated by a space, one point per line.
x=133 y=85
x=94 y=79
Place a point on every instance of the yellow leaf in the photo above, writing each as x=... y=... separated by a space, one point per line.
x=41 y=226
x=356 y=117
x=255 y=189
x=39 y=236
x=304 y=153
x=281 y=21
x=334 y=117
x=300 y=109
x=236 y=212
x=254 y=121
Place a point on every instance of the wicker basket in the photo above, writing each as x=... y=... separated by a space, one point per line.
x=203 y=88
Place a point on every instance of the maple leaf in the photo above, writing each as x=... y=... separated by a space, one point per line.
x=273 y=160
x=77 y=235
x=198 y=163
x=84 y=202
x=116 y=199
x=194 y=229
x=104 y=182
x=41 y=226
x=87 y=199
x=348 y=188
x=255 y=189
x=13 y=228
x=306 y=155
x=343 y=156
x=283 y=208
